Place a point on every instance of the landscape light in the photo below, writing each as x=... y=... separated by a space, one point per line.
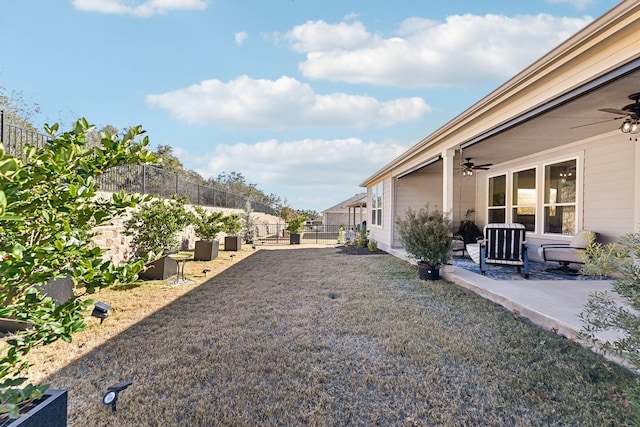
x=111 y=396
x=100 y=310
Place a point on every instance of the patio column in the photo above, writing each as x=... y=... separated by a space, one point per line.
x=447 y=180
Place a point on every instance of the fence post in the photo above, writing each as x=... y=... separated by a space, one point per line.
x=144 y=179
x=177 y=184
x=2 y=126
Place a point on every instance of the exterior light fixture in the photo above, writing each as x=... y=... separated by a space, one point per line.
x=100 y=310
x=205 y=271
x=630 y=126
x=467 y=172
x=111 y=396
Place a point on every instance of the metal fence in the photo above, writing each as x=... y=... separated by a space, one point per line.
x=137 y=178
x=276 y=234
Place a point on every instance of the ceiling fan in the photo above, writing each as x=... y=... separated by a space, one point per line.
x=630 y=112
x=468 y=167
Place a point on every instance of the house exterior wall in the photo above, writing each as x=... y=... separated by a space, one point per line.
x=606 y=187
x=382 y=234
x=415 y=191
x=339 y=218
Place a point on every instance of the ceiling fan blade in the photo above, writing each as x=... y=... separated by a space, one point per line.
x=596 y=123
x=615 y=111
x=483 y=166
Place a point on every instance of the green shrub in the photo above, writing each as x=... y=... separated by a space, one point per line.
x=207 y=225
x=155 y=226
x=426 y=235
x=48 y=207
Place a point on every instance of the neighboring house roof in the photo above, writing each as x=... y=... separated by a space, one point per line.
x=359 y=200
x=551 y=103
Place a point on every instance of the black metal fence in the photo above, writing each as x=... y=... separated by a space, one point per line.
x=137 y=178
x=276 y=234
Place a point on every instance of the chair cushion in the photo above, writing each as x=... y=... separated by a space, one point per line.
x=582 y=239
x=566 y=254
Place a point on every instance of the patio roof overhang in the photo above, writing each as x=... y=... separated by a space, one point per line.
x=552 y=103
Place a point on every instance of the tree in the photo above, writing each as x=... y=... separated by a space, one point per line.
x=248 y=224
x=48 y=207
x=167 y=160
x=17 y=110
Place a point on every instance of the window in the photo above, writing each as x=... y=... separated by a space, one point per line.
x=376 y=205
x=524 y=198
x=543 y=197
x=560 y=198
x=497 y=200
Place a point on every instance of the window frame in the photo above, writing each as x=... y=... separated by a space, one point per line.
x=576 y=203
x=540 y=180
x=377 y=204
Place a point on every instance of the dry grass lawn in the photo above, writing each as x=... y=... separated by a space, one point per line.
x=312 y=336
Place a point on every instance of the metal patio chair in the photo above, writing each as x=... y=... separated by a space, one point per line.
x=505 y=244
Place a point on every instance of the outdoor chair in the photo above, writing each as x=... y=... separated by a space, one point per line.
x=565 y=254
x=504 y=244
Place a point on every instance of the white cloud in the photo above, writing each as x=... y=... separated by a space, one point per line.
x=281 y=104
x=240 y=37
x=320 y=36
x=578 y=4
x=140 y=8
x=314 y=173
x=464 y=50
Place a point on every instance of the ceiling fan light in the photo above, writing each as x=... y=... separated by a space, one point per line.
x=626 y=126
x=635 y=127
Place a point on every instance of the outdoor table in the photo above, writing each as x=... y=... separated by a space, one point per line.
x=181 y=259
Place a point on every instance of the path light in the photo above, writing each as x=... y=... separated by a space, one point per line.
x=111 y=396
x=100 y=310
x=205 y=271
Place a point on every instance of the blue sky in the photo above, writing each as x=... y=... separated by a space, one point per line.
x=305 y=98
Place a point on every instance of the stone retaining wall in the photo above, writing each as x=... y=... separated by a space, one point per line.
x=118 y=246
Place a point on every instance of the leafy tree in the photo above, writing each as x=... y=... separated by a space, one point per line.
x=155 y=226
x=232 y=224
x=287 y=214
x=48 y=207
x=311 y=214
x=207 y=225
x=17 y=110
x=167 y=160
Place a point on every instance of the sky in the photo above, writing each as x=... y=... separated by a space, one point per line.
x=306 y=99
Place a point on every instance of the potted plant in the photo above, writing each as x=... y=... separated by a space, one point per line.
x=207 y=226
x=426 y=236
x=232 y=226
x=155 y=227
x=294 y=227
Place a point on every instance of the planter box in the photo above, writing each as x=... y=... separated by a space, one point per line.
x=206 y=250
x=50 y=412
x=294 y=238
x=232 y=243
x=160 y=269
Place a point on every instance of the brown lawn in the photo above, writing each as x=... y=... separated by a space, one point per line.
x=312 y=336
